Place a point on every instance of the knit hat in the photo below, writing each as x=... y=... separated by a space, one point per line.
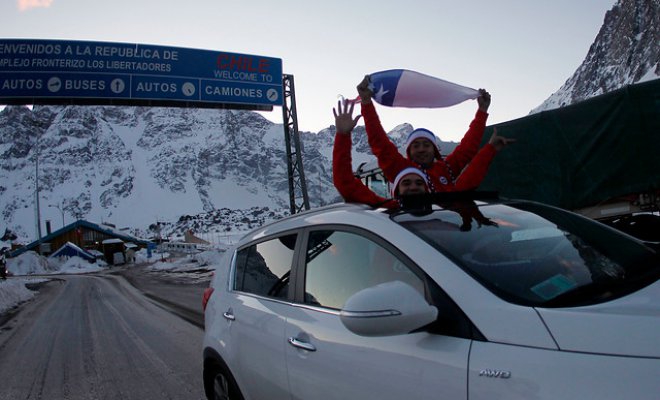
x=404 y=172
x=421 y=133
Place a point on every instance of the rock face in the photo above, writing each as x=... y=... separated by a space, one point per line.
x=625 y=51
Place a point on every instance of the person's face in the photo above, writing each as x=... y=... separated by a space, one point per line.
x=422 y=151
x=411 y=184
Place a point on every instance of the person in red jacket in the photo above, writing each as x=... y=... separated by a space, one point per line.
x=443 y=174
x=407 y=182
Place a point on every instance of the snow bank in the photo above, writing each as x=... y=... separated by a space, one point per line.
x=207 y=259
x=13 y=292
x=29 y=263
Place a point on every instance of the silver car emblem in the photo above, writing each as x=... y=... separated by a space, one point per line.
x=494 y=373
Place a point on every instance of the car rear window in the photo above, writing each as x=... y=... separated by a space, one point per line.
x=264 y=268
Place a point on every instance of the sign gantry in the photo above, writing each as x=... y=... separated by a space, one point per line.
x=81 y=72
x=101 y=73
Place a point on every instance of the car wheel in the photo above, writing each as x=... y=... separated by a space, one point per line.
x=219 y=384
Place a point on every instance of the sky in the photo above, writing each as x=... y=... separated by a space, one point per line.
x=521 y=51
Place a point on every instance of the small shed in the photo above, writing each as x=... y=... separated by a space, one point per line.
x=113 y=251
x=71 y=250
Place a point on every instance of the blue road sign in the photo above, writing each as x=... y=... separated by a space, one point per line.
x=40 y=71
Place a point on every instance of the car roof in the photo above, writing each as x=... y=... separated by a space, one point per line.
x=337 y=213
x=356 y=214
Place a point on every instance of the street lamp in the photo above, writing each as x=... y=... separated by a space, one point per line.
x=61 y=211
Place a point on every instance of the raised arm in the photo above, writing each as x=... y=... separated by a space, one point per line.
x=389 y=159
x=349 y=187
x=469 y=145
x=477 y=169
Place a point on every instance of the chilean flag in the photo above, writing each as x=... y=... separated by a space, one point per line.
x=404 y=88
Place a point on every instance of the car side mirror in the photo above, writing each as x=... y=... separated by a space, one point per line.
x=391 y=308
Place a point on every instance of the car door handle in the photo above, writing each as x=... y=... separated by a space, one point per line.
x=228 y=315
x=302 y=345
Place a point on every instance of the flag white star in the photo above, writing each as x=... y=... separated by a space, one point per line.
x=381 y=92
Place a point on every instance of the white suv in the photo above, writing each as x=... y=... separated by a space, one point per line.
x=473 y=300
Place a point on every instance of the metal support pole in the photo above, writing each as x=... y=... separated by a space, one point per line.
x=36 y=190
x=298 y=198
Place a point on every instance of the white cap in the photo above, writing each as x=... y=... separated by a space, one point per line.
x=421 y=133
x=404 y=172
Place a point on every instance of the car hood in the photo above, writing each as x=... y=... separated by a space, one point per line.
x=628 y=326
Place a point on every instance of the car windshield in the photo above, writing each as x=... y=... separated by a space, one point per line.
x=531 y=254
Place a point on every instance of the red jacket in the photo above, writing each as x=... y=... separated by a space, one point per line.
x=349 y=187
x=440 y=173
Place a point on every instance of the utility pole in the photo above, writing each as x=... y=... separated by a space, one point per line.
x=36 y=188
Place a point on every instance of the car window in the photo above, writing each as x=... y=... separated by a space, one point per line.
x=264 y=268
x=339 y=264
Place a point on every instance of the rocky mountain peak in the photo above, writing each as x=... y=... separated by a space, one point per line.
x=625 y=51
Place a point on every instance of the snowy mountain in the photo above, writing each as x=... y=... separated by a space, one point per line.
x=200 y=169
x=625 y=51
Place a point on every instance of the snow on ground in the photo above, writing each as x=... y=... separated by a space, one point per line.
x=14 y=292
x=193 y=267
x=22 y=269
x=189 y=262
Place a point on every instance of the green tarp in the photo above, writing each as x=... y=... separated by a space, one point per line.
x=583 y=154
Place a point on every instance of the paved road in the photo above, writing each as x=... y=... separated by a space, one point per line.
x=98 y=337
x=179 y=293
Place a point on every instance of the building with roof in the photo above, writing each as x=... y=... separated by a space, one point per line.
x=70 y=250
x=86 y=235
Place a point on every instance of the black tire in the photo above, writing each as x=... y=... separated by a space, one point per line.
x=219 y=384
